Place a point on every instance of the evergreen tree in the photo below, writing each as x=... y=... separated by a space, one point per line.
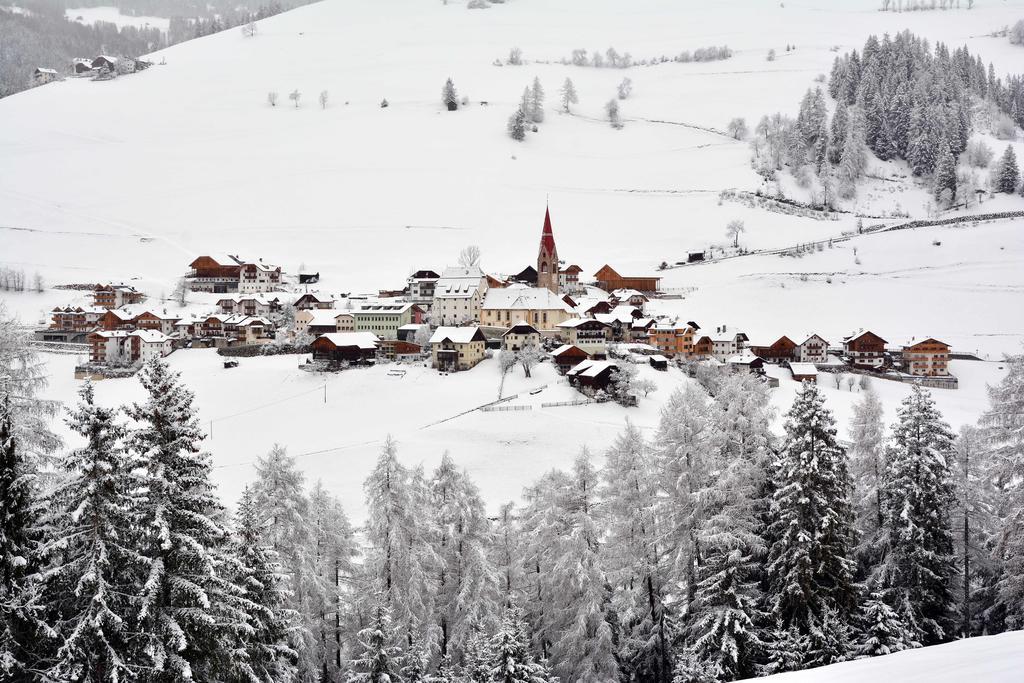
x=837 y=139
x=867 y=462
x=512 y=661
x=1007 y=174
x=96 y=571
x=945 y=173
x=266 y=655
x=517 y=125
x=536 y=110
x=635 y=560
x=917 y=573
x=853 y=161
x=379 y=658
x=882 y=631
x=810 y=569
x=569 y=96
x=184 y=612
x=449 y=98
x=476 y=666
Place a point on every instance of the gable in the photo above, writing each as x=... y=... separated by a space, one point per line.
x=607 y=273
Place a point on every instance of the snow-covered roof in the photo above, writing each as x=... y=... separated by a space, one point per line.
x=261 y=299
x=915 y=342
x=380 y=308
x=456 y=335
x=518 y=328
x=524 y=298
x=628 y=293
x=803 y=369
x=458 y=282
x=44 y=70
x=412 y=327
x=150 y=336
x=659 y=358
x=723 y=333
x=362 y=340
x=745 y=358
x=620 y=314
x=319 y=317
x=576 y=322
x=592 y=368
x=565 y=347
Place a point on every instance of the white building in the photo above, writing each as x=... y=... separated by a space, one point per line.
x=258 y=277
x=538 y=306
x=458 y=294
x=150 y=344
x=726 y=342
x=814 y=349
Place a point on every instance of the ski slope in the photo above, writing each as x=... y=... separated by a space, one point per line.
x=989 y=659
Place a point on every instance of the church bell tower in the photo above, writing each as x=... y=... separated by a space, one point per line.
x=547 y=257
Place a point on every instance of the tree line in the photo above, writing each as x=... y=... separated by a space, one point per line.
x=710 y=550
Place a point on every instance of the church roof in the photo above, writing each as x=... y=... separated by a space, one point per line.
x=547 y=237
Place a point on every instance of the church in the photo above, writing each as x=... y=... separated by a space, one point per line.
x=550 y=274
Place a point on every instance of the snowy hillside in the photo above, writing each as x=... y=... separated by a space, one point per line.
x=992 y=659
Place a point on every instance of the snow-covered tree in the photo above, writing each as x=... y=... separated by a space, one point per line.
x=536 y=104
x=853 y=160
x=529 y=357
x=96 y=571
x=733 y=230
x=295 y=96
x=513 y=662
x=379 y=658
x=611 y=108
x=584 y=648
x=737 y=128
x=569 y=96
x=881 y=630
x=945 y=172
x=183 y=617
x=635 y=560
x=917 y=573
x=1007 y=172
x=811 y=535
x=449 y=98
x=625 y=88
x=323 y=99
x=517 y=125
x=272 y=98
x=867 y=463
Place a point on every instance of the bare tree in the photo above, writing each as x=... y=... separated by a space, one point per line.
x=323 y=99
x=181 y=290
x=272 y=98
x=733 y=230
x=515 y=56
x=529 y=356
x=469 y=256
x=37 y=283
x=295 y=96
x=737 y=128
x=249 y=29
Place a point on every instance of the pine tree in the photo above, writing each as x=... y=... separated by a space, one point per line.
x=917 y=573
x=853 y=161
x=476 y=665
x=512 y=661
x=517 y=125
x=185 y=597
x=945 y=172
x=882 y=631
x=379 y=658
x=569 y=96
x=267 y=656
x=536 y=110
x=810 y=568
x=837 y=139
x=96 y=570
x=584 y=649
x=635 y=561
x=1008 y=173
x=867 y=462
x=449 y=97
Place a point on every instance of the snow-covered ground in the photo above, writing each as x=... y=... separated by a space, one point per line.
x=991 y=659
x=130 y=179
x=112 y=15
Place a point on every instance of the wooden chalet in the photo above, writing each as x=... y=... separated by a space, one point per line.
x=310 y=301
x=926 y=358
x=609 y=280
x=568 y=356
x=592 y=376
x=346 y=347
x=782 y=350
x=399 y=349
x=865 y=350
x=804 y=372
x=116 y=296
x=218 y=274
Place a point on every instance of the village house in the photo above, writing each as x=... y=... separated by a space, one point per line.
x=149 y=344
x=104 y=62
x=316 y=321
x=588 y=334
x=722 y=343
x=804 y=372
x=81 y=66
x=592 y=376
x=814 y=349
x=345 y=322
x=127 y=347
x=520 y=335
x=310 y=301
x=116 y=296
x=458 y=294
x=609 y=280
x=640 y=330
x=865 y=349
x=250 y=304
x=117 y=319
x=589 y=307
x=76 y=318
x=346 y=347
x=630 y=297
x=568 y=356
x=674 y=338
x=783 y=350
x=384 y=319
x=42 y=76
x=419 y=287
x=210 y=327
x=247 y=329
x=457 y=348
x=745 y=361
x=539 y=306
x=259 y=277
x=399 y=349
x=219 y=274
x=156 y=320
x=926 y=358
x=621 y=321
x=569 y=279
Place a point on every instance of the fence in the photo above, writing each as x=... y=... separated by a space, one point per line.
x=502 y=409
x=61 y=347
x=556 y=404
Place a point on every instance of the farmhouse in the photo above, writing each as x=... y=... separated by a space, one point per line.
x=926 y=358
x=592 y=376
x=81 y=66
x=458 y=294
x=631 y=297
x=43 y=75
x=814 y=349
x=674 y=338
x=457 y=348
x=345 y=347
x=721 y=344
x=218 y=274
x=520 y=335
x=384 y=319
x=745 y=361
x=782 y=350
x=104 y=62
x=609 y=280
x=539 y=306
x=588 y=334
x=568 y=356
x=865 y=350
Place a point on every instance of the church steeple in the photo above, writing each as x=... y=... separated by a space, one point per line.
x=547 y=256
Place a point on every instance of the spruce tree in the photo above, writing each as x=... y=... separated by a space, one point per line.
x=517 y=125
x=837 y=138
x=881 y=630
x=916 y=576
x=512 y=661
x=96 y=571
x=449 y=97
x=185 y=618
x=536 y=110
x=867 y=463
x=945 y=172
x=378 y=660
x=1008 y=173
x=810 y=570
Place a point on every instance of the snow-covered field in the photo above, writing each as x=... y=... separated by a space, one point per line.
x=112 y=15
x=132 y=178
x=991 y=659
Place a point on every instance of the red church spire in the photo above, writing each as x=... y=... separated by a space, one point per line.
x=547 y=237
